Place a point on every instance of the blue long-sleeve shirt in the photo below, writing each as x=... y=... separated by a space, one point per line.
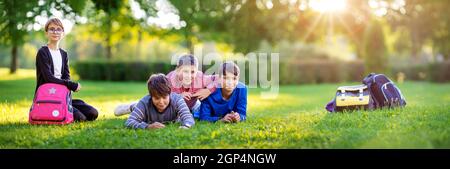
x=214 y=107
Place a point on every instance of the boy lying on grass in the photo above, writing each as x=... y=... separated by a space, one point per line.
x=160 y=107
x=229 y=102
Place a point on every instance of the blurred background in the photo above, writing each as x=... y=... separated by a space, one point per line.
x=318 y=41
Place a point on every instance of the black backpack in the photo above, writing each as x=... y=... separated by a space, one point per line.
x=383 y=93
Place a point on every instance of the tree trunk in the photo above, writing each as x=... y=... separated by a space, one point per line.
x=108 y=40
x=108 y=50
x=14 y=60
x=416 y=45
x=138 y=48
x=187 y=37
x=374 y=49
x=415 y=50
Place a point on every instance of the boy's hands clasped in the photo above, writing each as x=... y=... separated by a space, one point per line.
x=232 y=117
x=156 y=125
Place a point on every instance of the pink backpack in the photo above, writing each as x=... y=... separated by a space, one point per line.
x=51 y=105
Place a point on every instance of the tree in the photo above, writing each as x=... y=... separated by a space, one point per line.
x=205 y=16
x=353 y=23
x=17 y=20
x=150 y=10
x=106 y=13
x=374 y=48
x=425 y=20
x=243 y=24
x=13 y=24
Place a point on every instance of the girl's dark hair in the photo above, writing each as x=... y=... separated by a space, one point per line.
x=158 y=85
x=187 y=59
x=229 y=67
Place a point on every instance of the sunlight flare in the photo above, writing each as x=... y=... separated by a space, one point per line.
x=328 y=5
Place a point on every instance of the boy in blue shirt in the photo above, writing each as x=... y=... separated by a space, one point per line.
x=229 y=102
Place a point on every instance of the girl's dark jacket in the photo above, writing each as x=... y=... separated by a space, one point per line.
x=45 y=71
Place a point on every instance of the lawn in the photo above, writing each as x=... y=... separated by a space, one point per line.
x=296 y=119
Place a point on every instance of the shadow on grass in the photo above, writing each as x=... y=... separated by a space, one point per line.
x=105 y=133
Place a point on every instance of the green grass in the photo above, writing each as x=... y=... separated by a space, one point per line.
x=297 y=119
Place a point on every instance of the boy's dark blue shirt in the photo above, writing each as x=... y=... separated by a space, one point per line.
x=214 y=107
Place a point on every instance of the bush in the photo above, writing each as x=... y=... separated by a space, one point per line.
x=320 y=71
x=297 y=72
x=291 y=72
x=120 y=71
x=412 y=72
x=332 y=71
x=353 y=71
x=435 y=72
x=440 y=72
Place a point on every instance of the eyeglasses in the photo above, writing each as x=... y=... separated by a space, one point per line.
x=53 y=30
